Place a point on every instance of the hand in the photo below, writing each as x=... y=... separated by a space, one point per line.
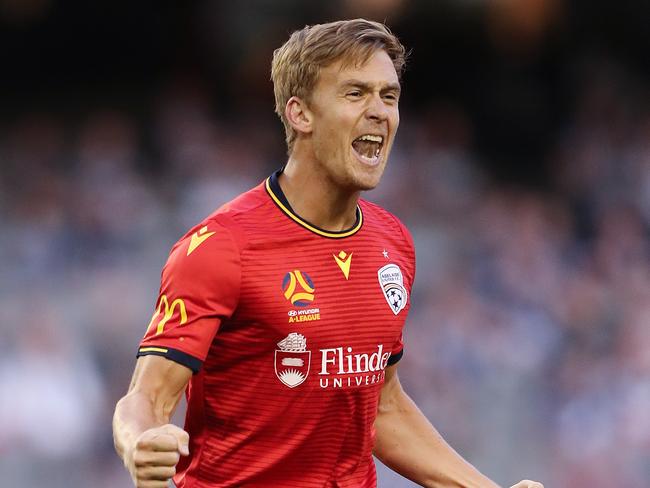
x=153 y=458
x=528 y=484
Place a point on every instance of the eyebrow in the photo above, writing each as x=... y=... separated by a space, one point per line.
x=367 y=86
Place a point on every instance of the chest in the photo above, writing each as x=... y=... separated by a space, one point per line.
x=351 y=294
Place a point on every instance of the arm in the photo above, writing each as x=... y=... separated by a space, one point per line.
x=145 y=440
x=407 y=443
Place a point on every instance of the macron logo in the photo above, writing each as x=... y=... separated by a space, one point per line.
x=199 y=238
x=344 y=261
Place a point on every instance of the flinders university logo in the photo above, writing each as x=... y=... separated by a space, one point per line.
x=298 y=288
x=392 y=283
x=292 y=360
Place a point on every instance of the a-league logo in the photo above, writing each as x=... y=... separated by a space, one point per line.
x=298 y=288
x=292 y=360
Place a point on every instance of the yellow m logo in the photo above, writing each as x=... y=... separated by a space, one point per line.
x=169 y=313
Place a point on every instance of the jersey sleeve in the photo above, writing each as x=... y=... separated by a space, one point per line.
x=397 y=350
x=199 y=290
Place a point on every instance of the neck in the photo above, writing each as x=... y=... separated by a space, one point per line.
x=316 y=198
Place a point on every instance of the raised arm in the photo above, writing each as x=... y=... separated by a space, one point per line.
x=145 y=440
x=407 y=443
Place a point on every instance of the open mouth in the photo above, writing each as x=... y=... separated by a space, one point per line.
x=368 y=147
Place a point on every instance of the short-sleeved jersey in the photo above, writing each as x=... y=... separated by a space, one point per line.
x=288 y=329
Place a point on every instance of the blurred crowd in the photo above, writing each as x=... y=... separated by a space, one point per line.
x=528 y=344
x=528 y=341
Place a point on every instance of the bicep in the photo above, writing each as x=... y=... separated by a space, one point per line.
x=161 y=380
x=391 y=390
x=390 y=380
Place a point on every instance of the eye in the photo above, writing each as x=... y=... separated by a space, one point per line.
x=354 y=94
x=392 y=97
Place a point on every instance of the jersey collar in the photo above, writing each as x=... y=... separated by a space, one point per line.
x=277 y=195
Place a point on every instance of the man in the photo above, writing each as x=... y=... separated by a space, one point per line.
x=281 y=314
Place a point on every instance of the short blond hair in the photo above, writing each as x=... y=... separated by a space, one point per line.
x=296 y=65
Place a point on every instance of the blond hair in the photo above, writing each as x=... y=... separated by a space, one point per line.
x=296 y=65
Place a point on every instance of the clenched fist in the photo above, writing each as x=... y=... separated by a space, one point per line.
x=152 y=459
x=528 y=484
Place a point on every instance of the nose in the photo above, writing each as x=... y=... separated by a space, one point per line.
x=377 y=109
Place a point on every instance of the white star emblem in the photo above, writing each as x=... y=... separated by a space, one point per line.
x=385 y=253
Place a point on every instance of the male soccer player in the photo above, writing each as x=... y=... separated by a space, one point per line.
x=281 y=314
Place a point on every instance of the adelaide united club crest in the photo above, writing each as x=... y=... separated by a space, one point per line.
x=392 y=283
x=292 y=360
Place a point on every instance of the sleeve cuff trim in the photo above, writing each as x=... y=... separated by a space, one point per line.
x=394 y=358
x=175 y=355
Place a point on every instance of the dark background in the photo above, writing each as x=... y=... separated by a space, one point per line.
x=516 y=69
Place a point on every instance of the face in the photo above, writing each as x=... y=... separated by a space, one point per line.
x=354 y=113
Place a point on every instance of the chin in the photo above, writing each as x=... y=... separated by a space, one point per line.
x=368 y=177
x=359 y=178
x=368 y=185
x=367 y=182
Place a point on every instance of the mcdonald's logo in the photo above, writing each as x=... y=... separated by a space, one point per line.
x=168 y=313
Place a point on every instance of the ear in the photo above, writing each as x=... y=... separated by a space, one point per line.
x=298 y=115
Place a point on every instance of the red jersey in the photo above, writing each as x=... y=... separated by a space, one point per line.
x=288 y=329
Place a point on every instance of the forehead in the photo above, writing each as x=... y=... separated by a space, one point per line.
x=378 y=70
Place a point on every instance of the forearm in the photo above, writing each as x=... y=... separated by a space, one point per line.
x=407 y=443
x=154 y=393
x=134 y=414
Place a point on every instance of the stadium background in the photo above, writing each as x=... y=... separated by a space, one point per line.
x=522 y=168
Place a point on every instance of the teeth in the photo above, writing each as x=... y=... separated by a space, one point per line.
x=371 y=160
x=372 y=138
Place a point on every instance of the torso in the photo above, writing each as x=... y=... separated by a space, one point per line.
x=288 y=392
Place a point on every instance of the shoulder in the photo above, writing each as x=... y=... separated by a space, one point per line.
x=217 y=241
x=226 y=224
x=381 y=220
